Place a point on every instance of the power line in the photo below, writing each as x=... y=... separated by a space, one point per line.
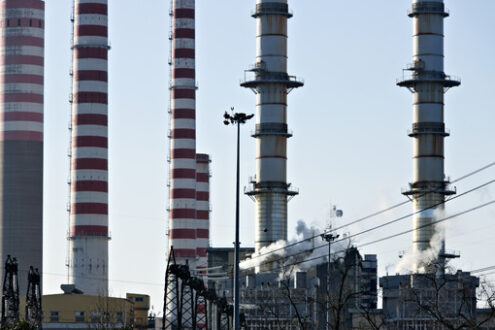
x=482 y=270
x=389 y=237
x=367 y=230
x=473 y=172
x=375 y=213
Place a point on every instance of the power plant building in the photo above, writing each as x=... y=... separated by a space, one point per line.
x=271 y=84
x=21 y=139
x=291 y=298
x=89 y=236
x=429 y=297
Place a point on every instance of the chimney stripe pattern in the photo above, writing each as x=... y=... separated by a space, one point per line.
x=21 y=133
x=182 y=209
x=428 y=83
x=271 y=84
x=203 y=208
x=89 y=163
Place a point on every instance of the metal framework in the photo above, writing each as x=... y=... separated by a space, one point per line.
x=33 y=298
x=201 y=318
x=10 y=294
x=186 y=302
x=171 y=315
x=225 y=314
x=185 y=299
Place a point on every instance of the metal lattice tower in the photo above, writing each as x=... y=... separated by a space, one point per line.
x=201 y=316
x=271 y=84
x=10 y=293
x=171 y=315
x=187 y=305
x=33 y=298
x=428 y=82
x=185 y=298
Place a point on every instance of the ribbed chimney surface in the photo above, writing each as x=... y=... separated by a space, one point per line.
x=428 y=83
x=182 y=208
x=88 y=265
x=271 y=83
x=21 y=134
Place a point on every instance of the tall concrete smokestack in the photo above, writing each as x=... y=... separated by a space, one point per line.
x=203 y=208
x=182 y=209
x=271 y=83
x=428 y=83
x=21 y=135
x=88 y=265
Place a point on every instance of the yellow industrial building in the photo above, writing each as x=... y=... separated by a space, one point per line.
x=79 y=311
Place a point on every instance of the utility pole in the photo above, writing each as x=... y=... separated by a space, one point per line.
x=329 y=237
x=236 y=118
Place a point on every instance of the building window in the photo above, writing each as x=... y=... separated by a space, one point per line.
x=106 y=317
x=30 y=22
x=95 y=317
x=139 y=298
x=120 y=317
x=39 y=23
x=53 y=316
x=8 y=22
x=19 y=22
x=80 y=317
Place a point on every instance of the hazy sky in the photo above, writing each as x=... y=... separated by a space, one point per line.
x=350 y=144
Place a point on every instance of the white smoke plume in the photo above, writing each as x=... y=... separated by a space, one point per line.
x=414 y=261
x=311 y=248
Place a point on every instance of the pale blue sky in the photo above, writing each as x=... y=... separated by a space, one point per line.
x=349 y=120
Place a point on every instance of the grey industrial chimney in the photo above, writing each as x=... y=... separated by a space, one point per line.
x=271 y=84
x=426 y=79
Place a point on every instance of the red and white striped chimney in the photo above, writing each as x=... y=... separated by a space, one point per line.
x=89 y=163
x=182 y=207
x=21 y=134
x=203 y=208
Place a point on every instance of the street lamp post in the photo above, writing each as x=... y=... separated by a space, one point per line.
x=329 y=237
x=236 y=118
